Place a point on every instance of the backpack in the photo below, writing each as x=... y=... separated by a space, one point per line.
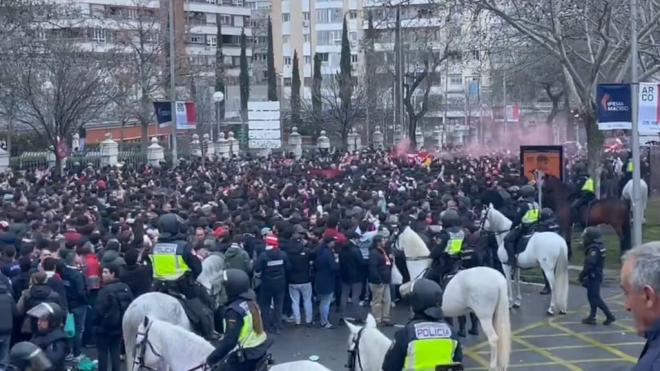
x=114 y=316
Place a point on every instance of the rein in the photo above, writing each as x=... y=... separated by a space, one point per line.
x=354 y=354
x=483 y=222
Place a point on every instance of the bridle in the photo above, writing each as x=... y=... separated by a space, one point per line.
x=140 y=351
x=483 y=222
x=354 y=354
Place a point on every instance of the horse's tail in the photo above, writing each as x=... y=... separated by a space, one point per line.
x=561 y=280
x=502 y=324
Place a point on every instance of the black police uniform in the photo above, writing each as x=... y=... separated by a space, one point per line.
x=592 y=277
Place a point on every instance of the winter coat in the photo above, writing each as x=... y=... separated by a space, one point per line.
x=300 y=260
x=380 y=267
x=8 y=310
x=272 y=264
x=57 y=284
x=138 y=277
x=92 y=271
x=326 y=268
x=350 y=264
x=20 y=283
x=237 y=258
x=111 y=257
x=111 y=303
x=76 y=290
x=56 y=346
x=34 y=296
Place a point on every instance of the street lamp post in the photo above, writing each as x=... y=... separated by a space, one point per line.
x=636 y=196
x=218 y=98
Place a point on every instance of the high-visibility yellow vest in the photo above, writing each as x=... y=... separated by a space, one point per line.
x=166 y=263
x=588 y=185
x=630 y=166
x=455 y=242
x=532 y=215
x=432 y=347
x=248 y=338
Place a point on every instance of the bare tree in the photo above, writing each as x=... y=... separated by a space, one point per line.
x=58 y=87
x=591 y=41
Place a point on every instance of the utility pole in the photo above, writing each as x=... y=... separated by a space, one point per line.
x=636 y=196
x=173 y=83
x=506 y=126
x=445 y=113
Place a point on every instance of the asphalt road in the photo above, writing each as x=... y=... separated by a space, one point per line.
x=540 y=342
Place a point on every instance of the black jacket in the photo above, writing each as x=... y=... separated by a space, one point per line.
x=300 y=264
x=58 y=285
x=380 y=272
x=38 y=294
x=76 y=289
x=55 y=345
x=350 y=264
x=111 y=303
x=8 y=310
x=649 y=360
x=273 y=264
x=594 y=258
x=138 y=278
x=20 y=283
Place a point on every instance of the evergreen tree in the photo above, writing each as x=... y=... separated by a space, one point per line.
x=219 y=73
x=344 y=78
x=317 y=80
x=270 y=59
x=244 y=77
x=295 y=91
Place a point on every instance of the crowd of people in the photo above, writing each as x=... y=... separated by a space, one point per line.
x=84 y=242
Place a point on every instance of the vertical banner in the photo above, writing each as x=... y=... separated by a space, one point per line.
x=649 y=109
x=614 y=106
x=186 y=114
x=513 y=113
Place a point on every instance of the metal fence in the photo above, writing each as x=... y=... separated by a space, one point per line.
x=134 y=156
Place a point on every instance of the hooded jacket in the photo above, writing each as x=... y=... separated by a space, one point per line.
x=237 y=258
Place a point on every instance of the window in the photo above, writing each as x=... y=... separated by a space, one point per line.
x=352 y=14
x=306 y=37
x=287 y=81
x=286 y=17
x=323 y=57
x=328 y=38
x=475 y=55
x=99 y=35
x=331 y=15
x=211 y=40
x=238 y=2
x=287 y=61
x=226 y=20
x=235 y=61
x=354 y=58
x=286 y=39
x=97 y=11
x=196 y=39
x=456 y=79
x=308 y=59
x=352 y=36
x=306 y=16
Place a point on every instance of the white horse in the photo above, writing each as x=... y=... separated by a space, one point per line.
x=368 y=345
x=481 y=290
x=162 y=345
x=627 y=192
x=545 y=249
x=166 y=308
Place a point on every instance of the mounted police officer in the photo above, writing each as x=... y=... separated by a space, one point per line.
x=526 y=218
x=244 y=345
x=176 y=270
x=447 y=246
x=587 y=194
x=427 y=342
x=547 y=221
x=591 y=276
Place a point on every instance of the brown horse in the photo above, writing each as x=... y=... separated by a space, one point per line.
x=614 y=212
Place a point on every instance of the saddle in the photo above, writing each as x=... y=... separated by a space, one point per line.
x=522 y=242
x=200 y=315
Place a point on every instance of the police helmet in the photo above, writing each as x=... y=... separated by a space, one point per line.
x=450 y=218
x=49 y=311
x=513 y=190
x=25 y=355
x=237 y=284
x=527 y=191
x=591 y=235
x=426 y=298
x=169 y=224
x=547 y=213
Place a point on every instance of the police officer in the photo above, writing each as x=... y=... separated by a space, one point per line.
x=427 y=341
x=587 y=194
x=446 y=252
x=176 y=268
x=50 y=336
x=526 y=218
x=272 y=266
x=591 y=276
x=245 y=342
x=27 y=356
x=547 y=221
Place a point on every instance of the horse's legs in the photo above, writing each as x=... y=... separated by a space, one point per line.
x=507 y=274
x=550 y=275
x=474 y=329
x=487 y=325
x=518 y=298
